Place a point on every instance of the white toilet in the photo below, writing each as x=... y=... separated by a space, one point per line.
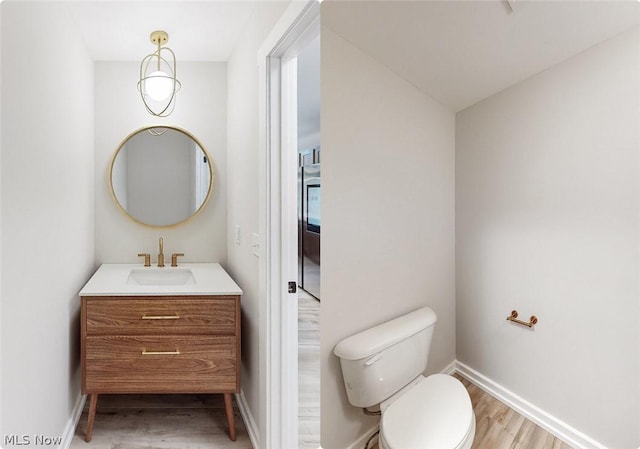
x=383 y=365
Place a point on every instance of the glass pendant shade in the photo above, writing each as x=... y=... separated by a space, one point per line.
x=158 y=83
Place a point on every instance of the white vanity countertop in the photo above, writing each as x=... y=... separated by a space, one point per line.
x=111 y=280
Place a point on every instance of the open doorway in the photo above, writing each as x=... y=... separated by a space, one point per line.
x=309 y=231
x=278 y=59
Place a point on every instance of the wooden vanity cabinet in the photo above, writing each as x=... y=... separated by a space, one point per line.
x=160 y=344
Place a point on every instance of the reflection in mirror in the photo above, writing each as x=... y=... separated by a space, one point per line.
x=161 y=176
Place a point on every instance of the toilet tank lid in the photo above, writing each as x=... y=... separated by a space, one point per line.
x=378 y=338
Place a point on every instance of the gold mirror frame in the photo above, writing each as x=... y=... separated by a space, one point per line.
x=153 y=130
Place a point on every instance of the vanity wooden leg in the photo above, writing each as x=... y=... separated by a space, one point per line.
x=93 y=402
x=228 y=406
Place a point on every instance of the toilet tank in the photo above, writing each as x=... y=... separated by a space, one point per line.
x=379 y=361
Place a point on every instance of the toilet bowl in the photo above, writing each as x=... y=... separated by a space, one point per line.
x=434 y=413
x=383 y=366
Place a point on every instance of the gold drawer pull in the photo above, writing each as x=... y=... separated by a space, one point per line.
x=145 y=352
x=160 y=317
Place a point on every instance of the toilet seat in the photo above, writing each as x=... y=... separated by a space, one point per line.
x=435 y=413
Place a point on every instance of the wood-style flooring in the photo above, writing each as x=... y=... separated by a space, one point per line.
x=161 y=422
x=308 y=371
x=500 y=427
x=198 y=421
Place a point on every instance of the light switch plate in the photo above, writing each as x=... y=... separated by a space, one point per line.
x=255 y=244
x=237 y=235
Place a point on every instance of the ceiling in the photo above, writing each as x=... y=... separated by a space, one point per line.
x=460 y=52
x=198 y=31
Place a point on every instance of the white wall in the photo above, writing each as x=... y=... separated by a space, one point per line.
x=242 y=141
x=388 y=215
x=201 y=108
x=547 y=222
x=47 y=184
x=1 y=433
x=308 y=79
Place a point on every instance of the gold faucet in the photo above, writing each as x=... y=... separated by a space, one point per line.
x=174 y=259
x=161 y=254
x=147 y=259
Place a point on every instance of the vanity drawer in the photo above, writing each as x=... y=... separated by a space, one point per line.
x=161 y=364
x=162 y=315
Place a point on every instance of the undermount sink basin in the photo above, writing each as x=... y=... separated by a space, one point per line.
x=160 y=276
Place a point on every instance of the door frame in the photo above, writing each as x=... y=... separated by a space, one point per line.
x=278 y=224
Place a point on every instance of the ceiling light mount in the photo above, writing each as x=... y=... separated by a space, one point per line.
x=158 y=83
x=159 y=37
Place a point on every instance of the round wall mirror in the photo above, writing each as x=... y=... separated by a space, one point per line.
x=161 y=176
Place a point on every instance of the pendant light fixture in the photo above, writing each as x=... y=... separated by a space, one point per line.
x=158 y=84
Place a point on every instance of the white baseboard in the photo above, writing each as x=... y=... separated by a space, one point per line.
x=360 y=442
x=72 y=423
x=450 y=368
x=548 y=422
x=249 y=422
